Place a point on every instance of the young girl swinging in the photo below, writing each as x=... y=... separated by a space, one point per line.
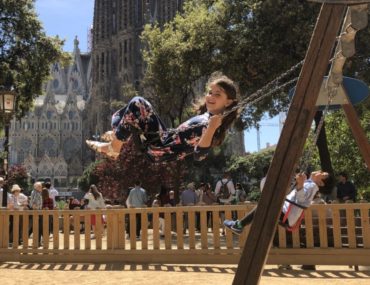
x=296 y=201
x=138 y=121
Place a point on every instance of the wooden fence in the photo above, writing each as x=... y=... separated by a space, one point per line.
x=336 y=234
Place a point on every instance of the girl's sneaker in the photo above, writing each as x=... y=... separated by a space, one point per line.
x=233 y=226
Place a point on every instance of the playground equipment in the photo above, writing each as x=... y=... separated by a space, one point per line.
x=298 y=123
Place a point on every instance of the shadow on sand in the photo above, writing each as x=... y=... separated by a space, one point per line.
x=227 y=269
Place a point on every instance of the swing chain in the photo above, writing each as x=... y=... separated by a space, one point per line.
x=256 y=96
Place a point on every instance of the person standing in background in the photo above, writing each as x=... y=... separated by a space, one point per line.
x=52 y=192
x=96 y=201
x=137 y=198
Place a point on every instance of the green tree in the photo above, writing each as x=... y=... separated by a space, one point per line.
x=251 y=165
x=247 y=40
x=88 y=177
x=251 y=41
x=343 y=148
x=345 y=154
x=18 y=175
x=114 y=178
x=176 y=55
x=25 y=51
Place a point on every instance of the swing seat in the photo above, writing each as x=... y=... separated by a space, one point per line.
x=351 y=91
x=294 y=227
x=284 y=222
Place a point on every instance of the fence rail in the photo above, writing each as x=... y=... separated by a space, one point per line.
x=336 y=234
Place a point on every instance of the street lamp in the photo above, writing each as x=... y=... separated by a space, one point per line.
x=7 y=107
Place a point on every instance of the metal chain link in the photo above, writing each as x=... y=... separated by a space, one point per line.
x=257 y=95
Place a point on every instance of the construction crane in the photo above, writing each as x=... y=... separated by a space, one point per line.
x=282 y=117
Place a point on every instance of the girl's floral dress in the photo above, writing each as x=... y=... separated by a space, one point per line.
x=139 y=119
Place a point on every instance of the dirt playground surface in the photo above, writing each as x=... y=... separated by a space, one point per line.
x=135 y=274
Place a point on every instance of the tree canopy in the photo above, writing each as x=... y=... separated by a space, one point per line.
x=25 y=51
x=343 y=149
x=250 y=41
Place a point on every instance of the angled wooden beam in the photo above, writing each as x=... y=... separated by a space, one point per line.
x=358 y=133
x=290 y=145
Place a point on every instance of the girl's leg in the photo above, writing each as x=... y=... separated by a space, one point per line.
x=248 y=218
x=137 y=117
x=237 y=226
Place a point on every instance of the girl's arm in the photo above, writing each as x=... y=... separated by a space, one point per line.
x=213 y=124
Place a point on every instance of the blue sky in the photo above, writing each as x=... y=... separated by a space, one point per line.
x=70 y=18
x=67 y=19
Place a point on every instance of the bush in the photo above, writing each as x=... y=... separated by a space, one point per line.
x=254 y=194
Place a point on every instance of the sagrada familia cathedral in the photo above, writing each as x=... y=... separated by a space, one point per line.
x=75 y=105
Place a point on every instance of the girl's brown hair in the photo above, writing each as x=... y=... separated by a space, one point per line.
x=232 y=92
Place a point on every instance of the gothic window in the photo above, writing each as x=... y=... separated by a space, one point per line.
x=114 y=23
x=45 y=171
x=52 y=152
x=97 y=68
x=102 y=65
x=48 y=146
x=71 y=114
x=70 y=148
x=153 y=8
x=49 y=114
x=26 y=144
x=74 y=83
x=130 y=51
x=55 y=83
x=55 y=67
x=125 y=14
x=74 y=68
x=20 y=156
x=120 y=56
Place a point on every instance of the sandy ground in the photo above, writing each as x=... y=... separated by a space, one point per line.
x=133 y=274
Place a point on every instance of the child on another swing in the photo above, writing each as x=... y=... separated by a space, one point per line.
x=196 y=136
x=302 y=195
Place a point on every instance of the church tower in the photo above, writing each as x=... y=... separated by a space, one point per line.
x=48 y=140
x=116 y=51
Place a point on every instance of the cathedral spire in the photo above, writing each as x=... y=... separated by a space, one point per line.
x=76 y=42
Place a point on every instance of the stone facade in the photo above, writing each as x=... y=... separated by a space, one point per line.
x=116 y=52
x=49 y=139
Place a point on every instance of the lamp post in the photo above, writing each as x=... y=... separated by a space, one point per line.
x=7 y=107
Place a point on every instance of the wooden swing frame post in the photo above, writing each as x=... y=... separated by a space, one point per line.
x=290 y=145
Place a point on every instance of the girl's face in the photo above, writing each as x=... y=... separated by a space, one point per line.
x=216 y=99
